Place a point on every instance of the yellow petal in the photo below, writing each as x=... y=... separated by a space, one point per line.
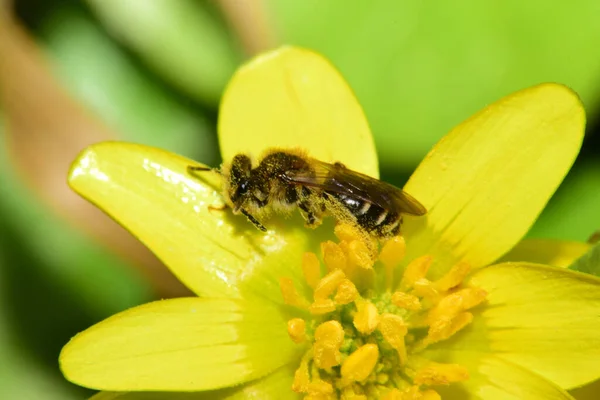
x=148 y=191
x=185 y=344
x=558 y=253
x=292 y=97
x=492 y=378
x=485 y=183
x=543 y=318
x=274 y=386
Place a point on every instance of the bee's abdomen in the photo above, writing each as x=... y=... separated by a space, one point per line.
x=373 y=218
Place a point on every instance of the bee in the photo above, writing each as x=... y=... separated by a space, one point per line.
x=287 y=179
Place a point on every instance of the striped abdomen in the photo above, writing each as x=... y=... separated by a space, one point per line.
x=374 y=219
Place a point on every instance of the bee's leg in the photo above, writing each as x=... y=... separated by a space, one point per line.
x=217 y=208
x=253 y=220
x=312 y=219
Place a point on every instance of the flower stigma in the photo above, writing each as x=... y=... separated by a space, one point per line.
x=367 y=328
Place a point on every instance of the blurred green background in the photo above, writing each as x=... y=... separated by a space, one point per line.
x=153 y=72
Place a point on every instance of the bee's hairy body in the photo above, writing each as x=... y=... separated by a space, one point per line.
x=286 y=179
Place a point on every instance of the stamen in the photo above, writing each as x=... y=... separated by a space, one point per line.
x=322 y=306
x=415 y=270
x=311 y=268
x=319 y=389
x=392 y=253
x=290 y=295
x=445 y=327
x=333 y=255
x=366 y=318
x=452 y=304
x=347 y=233
x=360 y=254
x=346 y=293
x=297 y=330
x=406 y=301
x=329 y=337
x=453 y=278
x=394 y=329
x=302 y=375
x=359 y=365
x=440 y=374
x=329 y=284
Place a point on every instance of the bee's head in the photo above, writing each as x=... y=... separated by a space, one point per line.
x=238 y=181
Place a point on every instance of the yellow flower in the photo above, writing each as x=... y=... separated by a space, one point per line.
x=425 y=320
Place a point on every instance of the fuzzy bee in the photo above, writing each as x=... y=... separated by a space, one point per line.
x=286 y=179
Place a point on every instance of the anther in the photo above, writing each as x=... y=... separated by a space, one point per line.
x=392 y=253
x=440 y=374
x=359 y=365
x=453 y=278
x=322 y=306
x=415 y=270
x=290 y=295
x=328 y=284
x=366 y=318
x=406 y=301
x=311 y=269
x=297 y=330
x=333 y=256
x=359 y=254
x=329 y=337
x=346 y=293
x=394 y=329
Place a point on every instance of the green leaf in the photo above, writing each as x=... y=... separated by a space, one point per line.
x=180 y=39
x=99 y=74
x=589 y=262
x=573 y=212
x=421 y=67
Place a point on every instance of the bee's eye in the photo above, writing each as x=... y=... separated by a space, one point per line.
x=243 y=187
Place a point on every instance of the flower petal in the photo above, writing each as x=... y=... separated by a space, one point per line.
x=485 y=183
x=274 y=386
x=492 y=378
x=292 y=97
x=150 y=193
x=558 y=253
x=542 y=318
x=185 y=344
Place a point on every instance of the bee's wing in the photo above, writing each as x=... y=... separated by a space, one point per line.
x=339 y=179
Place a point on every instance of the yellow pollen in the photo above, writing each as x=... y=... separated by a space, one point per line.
x=387 y=320
x=322 y=306
x=440 y=374
x=297 y=330
x=347 y=233
x=359 y=365
x=366 y=318
x=329 y=337
x=311 y=268
x=392 y=253
x=406 y=301
x=359 y=254
x=346 y=293
x=415 y=270
x=290 y=295
x=453 y=278
x=328 y=285
x=394 y=329
x=333 y=255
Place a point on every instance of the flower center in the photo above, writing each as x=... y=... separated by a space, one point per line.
x=367 y=328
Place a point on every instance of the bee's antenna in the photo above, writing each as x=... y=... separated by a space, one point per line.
x=191 y=168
